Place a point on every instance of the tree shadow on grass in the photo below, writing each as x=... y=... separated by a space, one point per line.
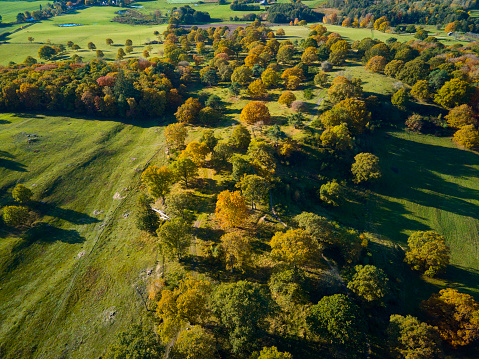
x=463 y=279
x=4 y=122
x=10 y=164
x=69 y=215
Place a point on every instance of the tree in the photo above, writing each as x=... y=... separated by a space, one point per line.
x=321 y=79
x=158 y=180
x=178 y=203
x=15 y=216
x=365 y=168
x=393 y=68
x=146 y=54
x=413 y=71
x=146 y=219
x=254 y=112
x=209 y=139
x=70 y=44
x=270 y=78
x=285 y=54
x=331 y=193
x=237 y=249
x=240 y=138
x=257 y=89
x=294 y=247
x=174 y=238
x=20 y=17
x=30 y=39
x=21 y=193
x=196 y=151
x=336 y=318
x=136 y=342
x=261 y=154
x=194 y=342
x=351 y=111
x=343 y=88
x=408 y=338
x=189 y=111
x=467 y=136
x=292 y=82
x=129 y=49
x=109 y=42
x=242 y=308
x=184 y=169
x=75 y=47
x=241 y=75
x=175 y=135
x=128 y=42
x=461 y=116
x=454 y=93
x=120 y=54
x=99 y=54
x=91 y=46
x=420 y=90
x=427 y=252
x=271 y=353
x=456 y=316
x=46 y=52
x=400 y=99
x=337 y=137
x=369 y=283
x=231 y=210
x=29 y=61
x=376 y=64
x=287 y=98
x=309 y=56
x=254 y=188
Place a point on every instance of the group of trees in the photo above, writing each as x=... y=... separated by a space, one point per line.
x=18 y=215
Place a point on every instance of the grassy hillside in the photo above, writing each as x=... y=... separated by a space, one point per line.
x=10 y=9
x=430 y=184
x=84 y=174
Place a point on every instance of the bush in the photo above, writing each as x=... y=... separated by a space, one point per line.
x=287 y=98
x=299 y=106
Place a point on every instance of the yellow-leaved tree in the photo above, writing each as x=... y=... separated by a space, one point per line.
x=175 y=135
x=255 y=112
x=231 y=210
x=294 y=246
x=158 y=180
x=237 y=249
x=196 y=151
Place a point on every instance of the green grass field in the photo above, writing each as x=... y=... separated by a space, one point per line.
x=430 y=184
x=10 y=9
x=85 y=172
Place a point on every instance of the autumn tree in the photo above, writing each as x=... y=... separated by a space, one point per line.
x=337 y=137
x=400 y=99
x=91 y=46
x=158 y=180
x=294 y=247
x=189 y=111
x=365 y=168
x=241 y=75
x=460 y=116
x=369 y=283
x=292 y=82
x=271 y=353
x=196 y=151
x=287 y=98
x=175 y=135
x=120 y=54
x=254 y=112
x=454 y=93
x=109 y=42
x=194 y=342
x=184 y=169
x=237 y=249
x=15 y=216
x=22 y=194
x=270 y=78
x=285 y=54
x=376 y=64
x=352 y=111
x=242 y=308
x=467 y=136
x=427 y=252
x=99 y=54
x=420 y=90
x=46 y=52
x=338 y=319
x=343 y=88
x=261 y=154
x=456 y=316
x=240 y=138
x=257 y=89
x=174 y=238
x=309 y=56
x=321 y=79
x=254 y=188
x=231 y=210
x=410 y=338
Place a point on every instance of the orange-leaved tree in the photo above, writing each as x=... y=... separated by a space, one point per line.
x=189 y=111
x=255 y=112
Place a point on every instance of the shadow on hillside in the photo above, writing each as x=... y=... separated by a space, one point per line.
x=462 y=279
x=7 y=162
x=4 y=122
x=69 y=215
x=45 y=233
x=412 y=171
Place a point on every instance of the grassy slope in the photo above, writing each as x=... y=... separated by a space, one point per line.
x=76 y=168
x=10 y=9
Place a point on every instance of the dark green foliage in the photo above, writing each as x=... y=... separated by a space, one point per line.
x=136 y=343
x=242 y=308
x=241 y=167
x=281 y=13
x=146 y=219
